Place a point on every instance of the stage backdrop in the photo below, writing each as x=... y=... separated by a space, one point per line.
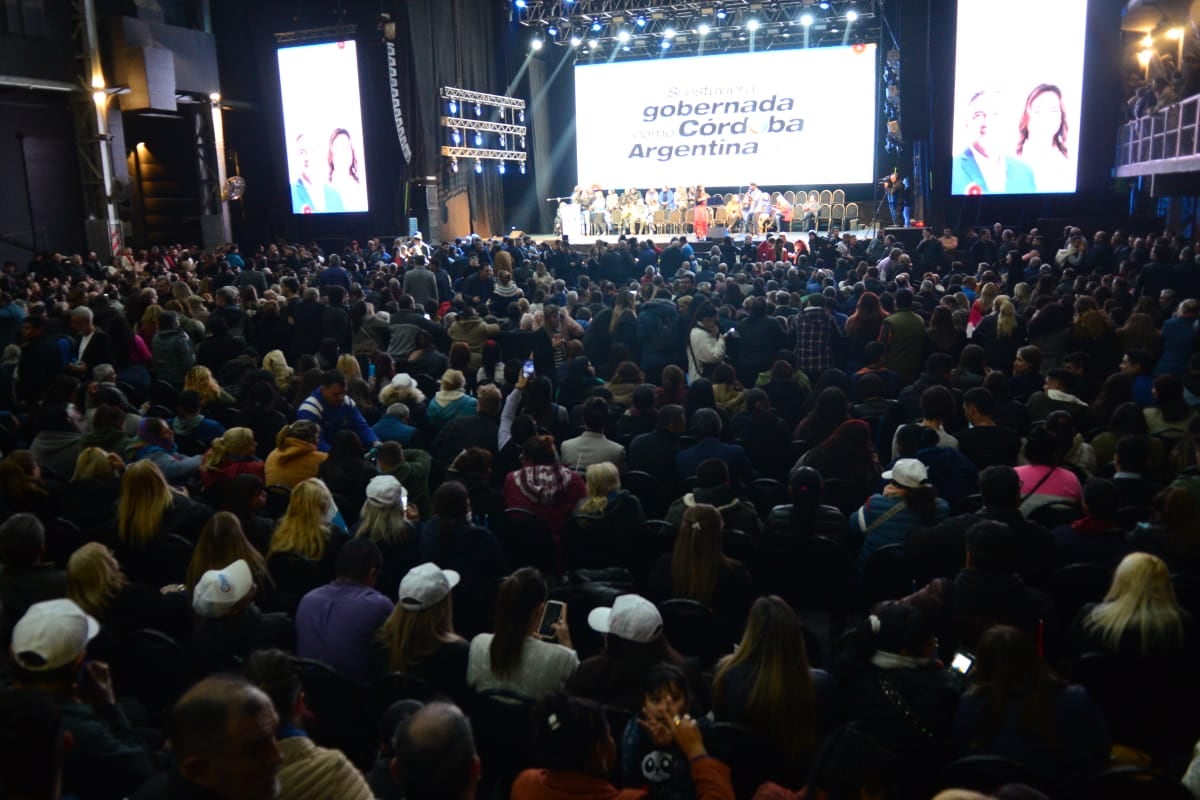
x=1018 y=96
x=726 y=120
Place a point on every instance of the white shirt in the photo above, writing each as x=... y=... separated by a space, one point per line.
x=544 y=668
x=84 y=341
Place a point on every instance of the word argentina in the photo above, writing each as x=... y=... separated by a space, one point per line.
x=697 y=119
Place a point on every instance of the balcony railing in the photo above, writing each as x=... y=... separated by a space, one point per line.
x=1162 y=142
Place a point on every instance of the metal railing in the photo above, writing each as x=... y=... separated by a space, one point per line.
x=1167 y=134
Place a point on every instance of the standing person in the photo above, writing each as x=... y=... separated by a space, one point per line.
x=700 y=214
x=903 y=331
x=332 y=411
x=814 y=336
x=706 y=343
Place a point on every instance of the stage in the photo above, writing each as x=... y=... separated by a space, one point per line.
x=663 y=239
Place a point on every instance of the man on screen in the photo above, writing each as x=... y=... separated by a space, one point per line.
x=984 y=167
x=307 y=198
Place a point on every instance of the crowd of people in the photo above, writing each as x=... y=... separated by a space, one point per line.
x=737 y=518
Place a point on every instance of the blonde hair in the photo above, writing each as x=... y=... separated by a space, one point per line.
x=221 y=542
x=1140 y=599
x=1006 y=317
x=349 y=367
x=699 y=554
x=987 y=297
x=408 y=635
x=383 y=524
x=302 y=529
x=234 y=442
x=145 y=498
x=94 y=578
x=276 y=363
x=602 y=478
x=200 y=379
x=92 y=465
x=150 y=316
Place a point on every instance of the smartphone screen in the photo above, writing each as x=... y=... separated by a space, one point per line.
x=527 y=369
x=550 y=616
x=962 y=663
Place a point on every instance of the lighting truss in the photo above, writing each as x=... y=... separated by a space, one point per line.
x=481 y=98
x=330 y=33
x=484 y=154
x=732 y=24
x=468 y=124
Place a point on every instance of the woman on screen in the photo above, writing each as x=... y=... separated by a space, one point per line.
x=1043 y=140
x=346 y=184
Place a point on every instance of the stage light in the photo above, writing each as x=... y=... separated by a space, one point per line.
x=851 y=15
x=1144 y=57
x=596 y=26
x=536 y=45
x=626 y=49
x=666 y=44
x=752 y=24
x=454 y=165
x=703 y=28
x=500 y=168
x=99 y=96
x=522 y=167
x=215 y=97
x=553 y=31
x=478 y=139
x=478 y=167
x=454 y=137
x=669 y=33
x=641 y=22
x=478 y=110
x=594 y=44
x=1147 y=41
x=806 y=20
x=503 y=140
x=576 y=41
x=453 y=107
x=1175 y=33
x=521 y=116
x=824 y=6
x=519 y=3
x=622 y=36
x=721 y=14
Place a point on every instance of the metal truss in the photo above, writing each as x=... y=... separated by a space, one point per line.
x=468 y=124
x=330 y=33
x=481 y=98
x=483 y=154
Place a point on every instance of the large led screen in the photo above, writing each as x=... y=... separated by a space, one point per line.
x=322 y=125
x=781 y=117
x=1018 y=94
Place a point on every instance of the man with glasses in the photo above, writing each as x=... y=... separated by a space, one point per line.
x=984 y=167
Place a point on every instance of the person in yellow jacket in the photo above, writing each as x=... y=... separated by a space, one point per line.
x=296 y=456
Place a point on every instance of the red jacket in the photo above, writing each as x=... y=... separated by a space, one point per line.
x=710 y=776
x=231 y=469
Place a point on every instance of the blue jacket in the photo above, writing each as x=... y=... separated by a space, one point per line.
x=393 y=429
x=741 y=471
x=657 y=325
x=332 y=420
x=1017 y=175
x=893 y=531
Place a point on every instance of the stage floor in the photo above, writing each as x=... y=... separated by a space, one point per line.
x=578 y=241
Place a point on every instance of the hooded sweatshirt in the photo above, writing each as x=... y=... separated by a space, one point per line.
x=292 y=462
x=550 y=491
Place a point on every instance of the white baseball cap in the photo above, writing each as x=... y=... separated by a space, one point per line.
x=908 y=472
x=425 y=586
x=219 y=590
x=385 y=490
x=52 y=634
x=632 y=617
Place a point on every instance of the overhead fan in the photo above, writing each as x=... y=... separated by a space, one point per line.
x=233 y=188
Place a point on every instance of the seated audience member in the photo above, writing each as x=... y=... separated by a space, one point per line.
x=984 y=442
x=1043 y=480
x=515 y=657
x=393 y=425
x=1138 y=365
x=229 y=625
x=308 y=771
x=592 y=446
x=897 y=691
x=634 y=644
x=940 y=550
x=332 y=411
x=412 y=468
x=607 y=504
x=231 y=454
x=1130 y=468
x=761 y=431
x=1096 y=537
x=155 y=443
x=451 y=401
x=453 y=541
x=245 y=497
x=807 y=514
x=296 y=456
x=107 y=758
x=706 y=427
x=650 y=762
x=191 y=424
x=336 y=623
x=310 y=527
x=1015 y=707
x=418 y=637
x=1077 y=455
x=384 y=782
x=148 y=508
x=847 y=456
x=830 y=410
x=222 y=735
x=57 y=443
x=347 y=472
x=937 y=408
x=1027 y=373
x=641 y=416
x=542 y=485
x=791 y=715
x=25 y=578
x=955 y=477
x=986 y=592
x=654 y=452
x=573 y=742
x=435 y=754
x=1056 y=396
x=908 y=502
x=89 y=499
x=223 y=541
x=698 y=569
x=712 y=488
x=32 y=744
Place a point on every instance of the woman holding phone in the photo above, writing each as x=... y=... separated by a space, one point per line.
x=516 y=657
